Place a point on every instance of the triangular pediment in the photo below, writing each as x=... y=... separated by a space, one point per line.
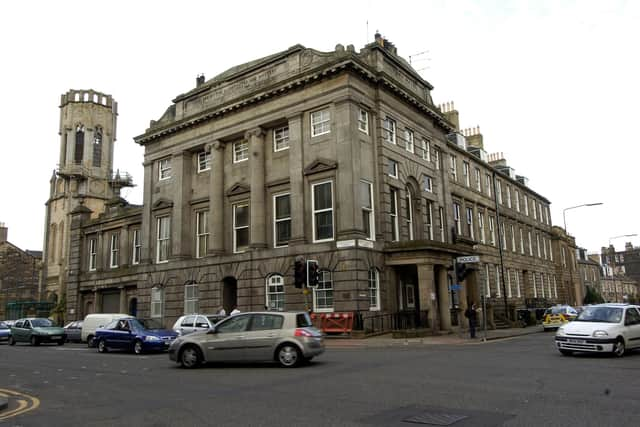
x=320 y=165
x=162 y=203
x=238 y=188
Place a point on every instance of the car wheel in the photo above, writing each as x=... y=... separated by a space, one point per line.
x=34 y=340
x=289 y=355
x=137 y=347
x=12 y=341
x=102 y=347
x=190 y=357
x=566 y=352
x=619 y=348
x=90 y=342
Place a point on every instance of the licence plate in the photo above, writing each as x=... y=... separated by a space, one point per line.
x=55 y=337
x=574 y=341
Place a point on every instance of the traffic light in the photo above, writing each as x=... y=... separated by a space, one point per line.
x=300 y=274
x=313 y=272
x=461 y=271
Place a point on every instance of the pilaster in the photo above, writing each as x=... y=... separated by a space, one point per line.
x=296 y=179
x=258 y=236
x=216 y=198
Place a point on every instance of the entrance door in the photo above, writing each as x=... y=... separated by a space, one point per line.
x=133 y=307
x=229 y=293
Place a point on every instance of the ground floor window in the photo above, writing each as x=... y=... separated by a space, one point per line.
x=156 y=301
x=191 y=298
x=275 y=293
x=323 y=293
x=374 y=289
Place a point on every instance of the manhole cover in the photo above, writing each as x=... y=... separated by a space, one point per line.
x=435 y=418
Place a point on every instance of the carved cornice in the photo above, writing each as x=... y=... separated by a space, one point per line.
x=238 y=188
x=320 y=165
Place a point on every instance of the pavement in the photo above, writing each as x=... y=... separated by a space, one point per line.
x=458 y=337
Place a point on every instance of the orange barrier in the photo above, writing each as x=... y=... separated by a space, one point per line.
x=333 y=322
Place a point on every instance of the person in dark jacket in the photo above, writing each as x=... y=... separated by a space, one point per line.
x=471 y=314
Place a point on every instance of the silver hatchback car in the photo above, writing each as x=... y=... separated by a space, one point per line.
x=288 y=338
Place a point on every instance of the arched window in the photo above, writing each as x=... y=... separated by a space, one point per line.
x=97 y=147
x=79 y=148
x=323 y=293
x=274 y=300
x=374 y=289
x=61 y=239
x=409 y=212
x=52 y=244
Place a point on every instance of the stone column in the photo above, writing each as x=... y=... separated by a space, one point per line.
x=181 y=167
x=427 y=292
x=257 y=227
x=148 y=224
x=97 y=301
x=125 y=247
x=444 y=300
x=296 y=179
x=216 y=198
x=101 y=252
x=348 y=219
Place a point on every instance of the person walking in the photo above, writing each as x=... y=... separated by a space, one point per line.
x=472 y=314
x=235 y=310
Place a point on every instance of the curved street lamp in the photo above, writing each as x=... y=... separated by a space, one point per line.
x=564 y=218
x=620 y=236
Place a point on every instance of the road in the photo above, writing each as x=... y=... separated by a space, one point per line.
x=515 y=382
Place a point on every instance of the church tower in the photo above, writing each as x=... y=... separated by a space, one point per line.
x=83 y=178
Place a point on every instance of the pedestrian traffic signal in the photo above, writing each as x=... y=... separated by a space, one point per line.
x=313 y=272
x=300 y=274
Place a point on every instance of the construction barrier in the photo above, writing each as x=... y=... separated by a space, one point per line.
x=333 y=322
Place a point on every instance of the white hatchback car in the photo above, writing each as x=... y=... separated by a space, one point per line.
x=602 y=328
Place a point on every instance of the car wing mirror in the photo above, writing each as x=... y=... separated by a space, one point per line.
x=212 y=330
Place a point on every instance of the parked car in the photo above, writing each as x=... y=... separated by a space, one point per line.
x=603 y=328
x=5 y=331
x=97 y=320
x=130 y=334
x=36 y=330
x=196 y=322
x=74 y=331
x=558 y=315
x=288 y=338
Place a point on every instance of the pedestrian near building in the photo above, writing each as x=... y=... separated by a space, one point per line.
x=235 y=310
x=471 y=314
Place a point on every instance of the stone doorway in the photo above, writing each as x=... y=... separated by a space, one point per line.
x=229 y=293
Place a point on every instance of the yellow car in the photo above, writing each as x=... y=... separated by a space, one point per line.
x=557 y=316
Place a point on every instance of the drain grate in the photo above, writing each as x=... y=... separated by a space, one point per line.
x=435 y=418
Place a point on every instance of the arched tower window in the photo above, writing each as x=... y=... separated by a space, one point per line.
x=61 y=240
x=97 y=147
x=79 y=148
x=52 y=244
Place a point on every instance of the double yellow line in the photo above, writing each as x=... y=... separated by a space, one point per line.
x=25 y=402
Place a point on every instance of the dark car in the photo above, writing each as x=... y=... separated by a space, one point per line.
x=73 y=331
x=36 y=330
x=5 y=331
x=130 y=334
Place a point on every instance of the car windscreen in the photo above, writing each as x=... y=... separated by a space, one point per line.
x=41 y=323
x=601 y=314
x=303 y=320
x=136 y=325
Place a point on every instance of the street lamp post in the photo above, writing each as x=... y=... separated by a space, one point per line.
x=564 y=218
x=621 y=236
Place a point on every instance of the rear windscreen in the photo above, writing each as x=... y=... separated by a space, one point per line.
x=303 y=320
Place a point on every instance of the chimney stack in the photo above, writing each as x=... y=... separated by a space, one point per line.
x=199 y=80
x=4 y=231
x=451 y=114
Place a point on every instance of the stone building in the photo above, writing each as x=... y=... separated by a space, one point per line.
x=19 y=273
x=589 y=272
x=622 y=273
x=340 y=157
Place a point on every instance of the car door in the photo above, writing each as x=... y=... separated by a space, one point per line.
x=18 y=330
x=186 y=326
x=226 y=341
x=632 y=324
x=117 y=334
x=201 y=324
x=262 y=335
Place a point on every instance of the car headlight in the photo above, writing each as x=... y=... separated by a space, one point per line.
x=151 y=338
x=600 y=334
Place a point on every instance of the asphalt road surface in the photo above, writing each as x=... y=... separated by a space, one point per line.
x=522 y=381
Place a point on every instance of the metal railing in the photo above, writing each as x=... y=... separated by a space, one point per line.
x=385 y=322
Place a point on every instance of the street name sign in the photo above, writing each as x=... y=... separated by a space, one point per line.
x=468 y=259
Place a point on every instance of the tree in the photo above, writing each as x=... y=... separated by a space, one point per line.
x=592 y=296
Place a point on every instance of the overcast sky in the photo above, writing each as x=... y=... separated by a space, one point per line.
x=552 y=84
